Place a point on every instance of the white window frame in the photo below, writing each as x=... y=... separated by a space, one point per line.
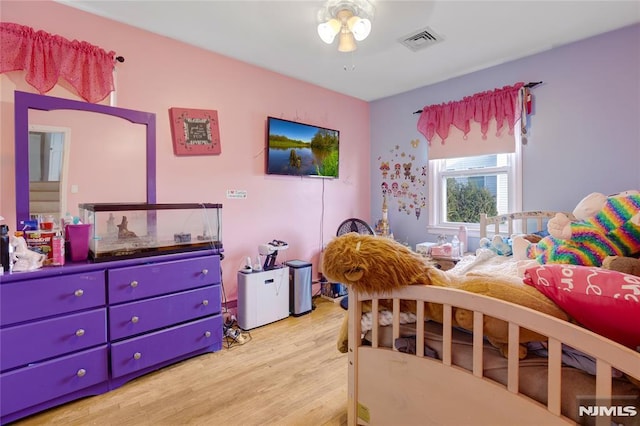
x=437 y=180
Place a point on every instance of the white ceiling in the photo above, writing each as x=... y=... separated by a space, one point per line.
x=281 y=35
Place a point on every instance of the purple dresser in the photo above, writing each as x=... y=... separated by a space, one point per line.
x=84 y=329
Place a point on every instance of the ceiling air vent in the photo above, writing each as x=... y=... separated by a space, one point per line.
x=421 y=39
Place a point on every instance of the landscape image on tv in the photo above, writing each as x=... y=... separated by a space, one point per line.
x=299 y=149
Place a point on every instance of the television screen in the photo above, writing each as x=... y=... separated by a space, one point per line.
x=298 y=149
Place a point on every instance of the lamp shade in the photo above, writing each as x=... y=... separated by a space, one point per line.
x=328 y=30
x=360 y=27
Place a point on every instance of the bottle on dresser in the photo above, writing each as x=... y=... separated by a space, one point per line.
x=462 y=237
x=57 y=249
x=455 y=246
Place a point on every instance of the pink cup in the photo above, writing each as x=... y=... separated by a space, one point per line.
x=78 y=237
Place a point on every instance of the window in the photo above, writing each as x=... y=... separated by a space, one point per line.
x=462 y=188
x=474 y=156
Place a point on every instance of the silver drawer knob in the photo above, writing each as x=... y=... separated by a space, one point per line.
x=134 y=284
x=137 y=355
x=205 y=302
x=80 y=332
x=135 y=319
x=207 y=334
x=79 y=292
x=205 y=271
x=81 y=372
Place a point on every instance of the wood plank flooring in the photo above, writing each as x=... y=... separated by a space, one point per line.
x=290 y=373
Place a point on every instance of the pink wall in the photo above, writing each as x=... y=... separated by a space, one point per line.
x=160 y=73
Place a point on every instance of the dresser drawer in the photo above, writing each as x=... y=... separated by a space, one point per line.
x=146 y=351
x=39 y=298
x=154 y=279
x=150 y=314
x=39 y=383
x=28 y=343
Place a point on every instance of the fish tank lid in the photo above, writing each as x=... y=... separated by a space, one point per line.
x=106 y=207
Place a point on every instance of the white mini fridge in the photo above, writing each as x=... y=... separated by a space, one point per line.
x=263 y=297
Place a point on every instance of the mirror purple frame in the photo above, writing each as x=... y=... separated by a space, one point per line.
x=25 y=101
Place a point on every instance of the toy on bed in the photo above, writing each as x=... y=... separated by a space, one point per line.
x=604 y=226
x=499 y=245
x=626 y=265
x=604 y=301
x=373 y=264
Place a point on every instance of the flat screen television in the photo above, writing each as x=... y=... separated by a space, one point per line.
x=298 y=149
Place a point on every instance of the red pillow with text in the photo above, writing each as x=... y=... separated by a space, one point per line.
x=603 y=301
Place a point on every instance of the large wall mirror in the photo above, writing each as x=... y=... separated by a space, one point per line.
x=70 y=152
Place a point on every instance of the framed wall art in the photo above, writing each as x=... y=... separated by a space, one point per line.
x=195 y=131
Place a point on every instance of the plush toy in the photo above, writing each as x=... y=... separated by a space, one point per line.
x=498 y=245
x=373 y=264
x=626 y=265
x=510 y=289
x=604 y=226
x=24 y=259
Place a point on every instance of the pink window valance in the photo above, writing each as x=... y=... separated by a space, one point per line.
x=48 y=57
x=499 y=104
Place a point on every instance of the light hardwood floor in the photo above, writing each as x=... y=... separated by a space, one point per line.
x=290 y=373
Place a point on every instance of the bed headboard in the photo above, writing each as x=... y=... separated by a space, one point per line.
x=521 y=222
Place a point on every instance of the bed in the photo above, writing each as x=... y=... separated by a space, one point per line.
x=423 y=372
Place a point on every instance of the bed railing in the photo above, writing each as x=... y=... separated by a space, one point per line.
x=606 y=353
x=521 y=222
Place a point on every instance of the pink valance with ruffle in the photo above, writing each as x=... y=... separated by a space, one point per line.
x=499 y=104
x=47 y=57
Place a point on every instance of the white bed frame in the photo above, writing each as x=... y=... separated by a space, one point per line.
x=388 y=387
x=521 y=222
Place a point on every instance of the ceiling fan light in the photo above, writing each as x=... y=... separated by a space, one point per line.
x=360 y=27
x=328 y=30
x=349 y=20
x=347 y=42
